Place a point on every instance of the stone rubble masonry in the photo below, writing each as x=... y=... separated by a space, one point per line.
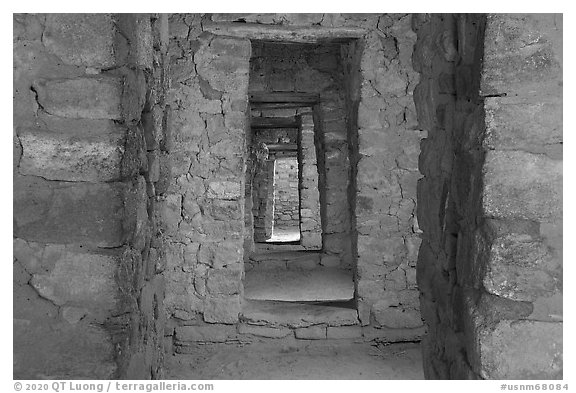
x=286 y=202
x=380 y=84
x=369 y=221
x=88 y=299
x=490 y=202
x=262 y=196
x=311 y=227
x=201 y=209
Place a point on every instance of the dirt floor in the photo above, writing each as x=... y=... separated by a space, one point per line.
x=298 y=359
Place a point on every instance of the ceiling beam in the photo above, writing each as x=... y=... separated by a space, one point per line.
x=279 y=105
x=274 y=122
x=312 y=34
x=282 y=147
x=284 y=98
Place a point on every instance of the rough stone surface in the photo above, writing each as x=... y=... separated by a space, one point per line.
x=264 y=331
x=89 y=98
x=522 y=185
x=296 y=315
x=81 y=39
x=56 y=212
x=311 y=333
x=79 y=280
x=525 y=54
x=489 y=281
x=87 y=297
x=202 y=208
x=68 y=158
x=205 y=333
x=343 y=332
x=522 y=126
x=505 y=354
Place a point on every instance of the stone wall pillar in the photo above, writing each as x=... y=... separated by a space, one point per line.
x=490 y=202
x=268 y=200
x=310 y=223
x=263 y=197
x=203 y=215
x=88 y=97
x=387 y=173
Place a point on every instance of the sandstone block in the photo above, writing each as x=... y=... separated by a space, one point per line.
x=514 y=62
x=522 y=126
x=264 y=331
x=170 y=210
x=396 y=280
x=343 y=332
x=65 y=157
x=521 y=268
x=63 y=351
x=142 y=44
x=317 y=332
x=522 y=185
x=153 y=166
x=521 y=350
x=397 y=317
x=221 y=255
x=27 y=27
x=55 y=212
x=222 y=310
x=80 y=128
x=311 y=240
x=224 y=281
x=226 y=190
x=91 y=98
x=81 y=39
x=152 y=124
x=227 y=46
x=217 y=69
x=205 y=333
x=81 y=280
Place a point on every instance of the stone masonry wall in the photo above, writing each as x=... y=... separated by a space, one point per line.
x=316 y=69
x=263 y=201
x=310 y=220
x=377 y=78
x=203 y=204
x=286 y=198
x=385 y=164
x=88 y=93
x=490 y=202
x=262 y=192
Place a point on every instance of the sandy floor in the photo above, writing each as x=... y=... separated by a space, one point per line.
x=284 y=235
x=299 y=285
x=298 y=359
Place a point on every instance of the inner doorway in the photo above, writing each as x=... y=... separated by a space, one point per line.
x=286 y=201
x=300 y=161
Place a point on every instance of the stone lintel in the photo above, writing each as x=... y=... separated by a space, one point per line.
x=308 y=34
x=274 y=122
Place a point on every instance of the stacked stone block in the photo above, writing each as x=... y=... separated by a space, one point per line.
x=82 y=232
x=373 y=74
x=202 y=209
x=310 y=222
x=263 y=197
x=380 y=84
x=286 y=194
x=490 y=265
